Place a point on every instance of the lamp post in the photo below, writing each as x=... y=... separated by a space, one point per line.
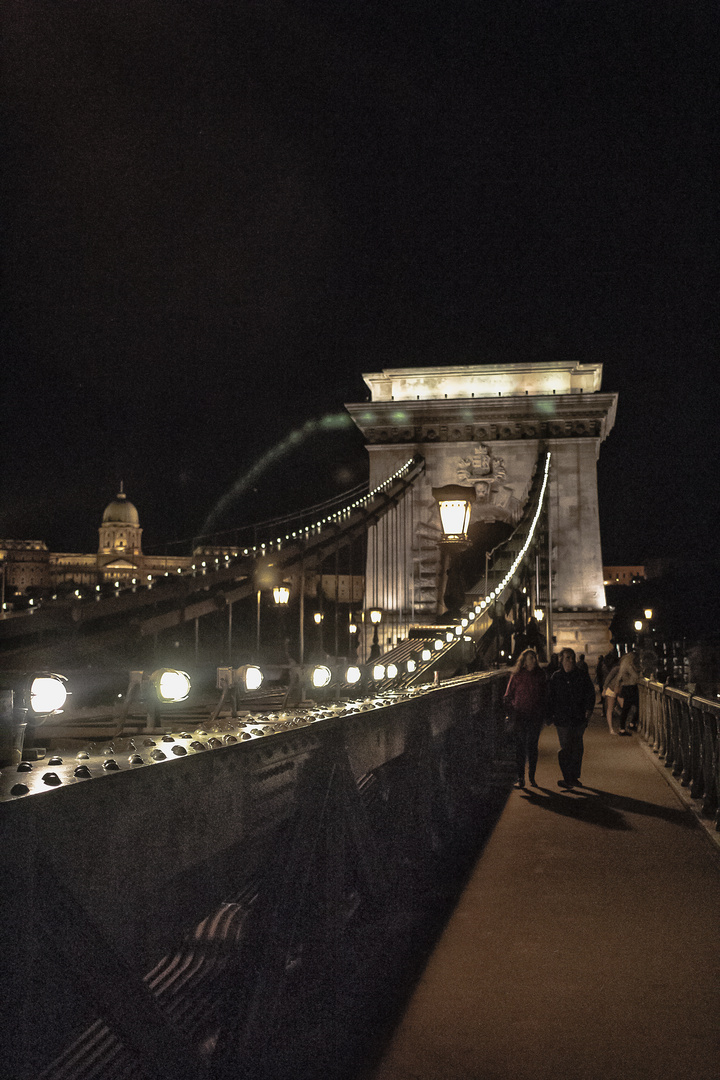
x=352 y=632
x=375 y=619
x=318 y=620
x=281 y=596
x=454 y=503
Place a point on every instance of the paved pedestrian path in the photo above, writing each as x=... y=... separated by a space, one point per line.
x=586 y=944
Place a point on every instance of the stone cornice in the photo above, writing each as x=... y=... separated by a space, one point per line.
x=486 y=419
x=483 y=380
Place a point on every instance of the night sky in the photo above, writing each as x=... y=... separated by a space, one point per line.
x=218 y=214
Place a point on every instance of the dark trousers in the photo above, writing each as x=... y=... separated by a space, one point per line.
x=526 y=734
x=570 y=754
x=631 y=697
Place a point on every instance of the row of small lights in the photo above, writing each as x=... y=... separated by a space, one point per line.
x=337 y=516
x=496 y=593
x=289 y=536
x=381 y=672
x=480 y=607
x=345 y=512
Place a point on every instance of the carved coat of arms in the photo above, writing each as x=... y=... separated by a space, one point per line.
x=486 y=473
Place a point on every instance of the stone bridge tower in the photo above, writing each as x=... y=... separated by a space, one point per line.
x=484 y=425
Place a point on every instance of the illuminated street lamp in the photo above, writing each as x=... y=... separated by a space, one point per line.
x=26 y=698
x=281 y=595
x=234 y=681
x=320 y=676
x=638 y=625
x=318 y=618
x=170 y=685
x=648 y=613
x=375 y=618
x=454 y=503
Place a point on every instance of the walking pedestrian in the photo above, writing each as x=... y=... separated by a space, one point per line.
x=609 y=695
x=571 y=700
x=604 y=666
x=628 y=694
x=526 y=704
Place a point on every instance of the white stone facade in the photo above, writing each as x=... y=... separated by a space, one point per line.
x=490 y=421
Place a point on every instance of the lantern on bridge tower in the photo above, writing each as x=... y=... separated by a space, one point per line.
x=455 y=503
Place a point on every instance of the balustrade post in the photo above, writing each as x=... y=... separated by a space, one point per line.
x=672 y=748
x=697 y=778
x=710 y=763
x=684 y=763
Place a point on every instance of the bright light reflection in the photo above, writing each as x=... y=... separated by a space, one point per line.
x=321 y=676
x=47 y=694
x=252 y=678
x=172 y=685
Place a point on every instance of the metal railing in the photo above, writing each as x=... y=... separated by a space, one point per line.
x=221 y=897
x=684 y=731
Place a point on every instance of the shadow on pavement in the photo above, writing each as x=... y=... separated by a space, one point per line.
x=593 y=810
x=674 y=815
x=604 y=808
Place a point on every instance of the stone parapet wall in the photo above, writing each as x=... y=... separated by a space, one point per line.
x=584 y=631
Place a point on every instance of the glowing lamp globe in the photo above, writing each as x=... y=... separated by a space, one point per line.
x=47 y=694
x=250 y=676
x=170 y=684
x=320 y=676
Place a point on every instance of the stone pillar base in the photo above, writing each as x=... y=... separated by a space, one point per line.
x=586 y=631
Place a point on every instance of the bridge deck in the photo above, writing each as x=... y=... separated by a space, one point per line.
x=586 y=943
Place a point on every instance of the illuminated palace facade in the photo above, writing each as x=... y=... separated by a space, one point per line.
x=28 y=564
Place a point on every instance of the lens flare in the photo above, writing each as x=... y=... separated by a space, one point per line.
x=331 y=422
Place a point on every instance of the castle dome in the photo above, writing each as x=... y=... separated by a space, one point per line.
x=120 y=512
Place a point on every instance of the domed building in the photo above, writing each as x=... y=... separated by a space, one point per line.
x=27 y=566
x=120 y=538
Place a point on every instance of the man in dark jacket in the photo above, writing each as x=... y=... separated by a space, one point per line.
x=571 y=700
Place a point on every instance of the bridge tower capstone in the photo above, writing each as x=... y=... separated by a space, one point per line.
x=483 y=426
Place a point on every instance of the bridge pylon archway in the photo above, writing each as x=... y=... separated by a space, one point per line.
x=484 y=426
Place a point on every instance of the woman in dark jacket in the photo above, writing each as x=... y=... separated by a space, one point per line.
x=525 y=702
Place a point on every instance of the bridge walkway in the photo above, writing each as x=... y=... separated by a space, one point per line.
x=586 y=943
